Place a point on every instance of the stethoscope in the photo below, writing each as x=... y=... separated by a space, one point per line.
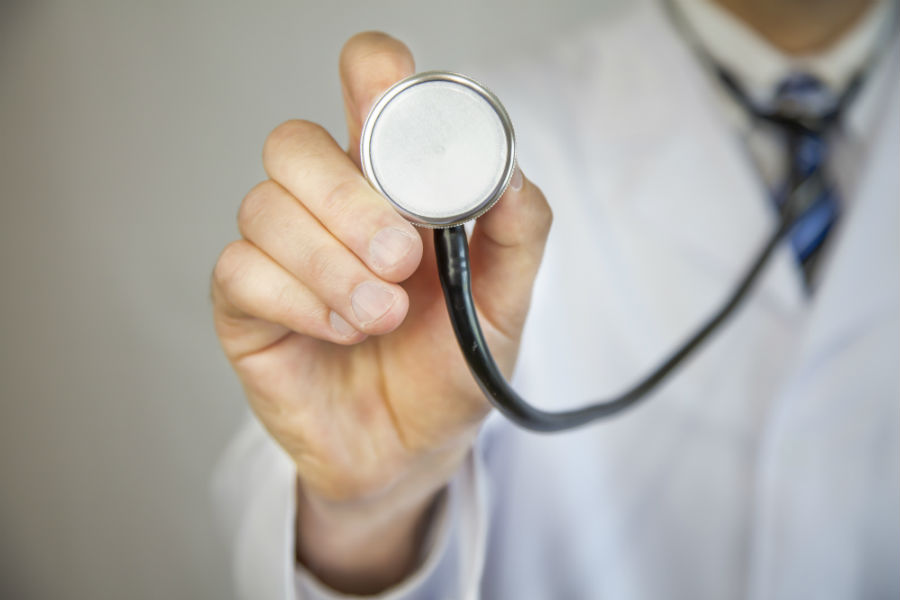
x=440 y=148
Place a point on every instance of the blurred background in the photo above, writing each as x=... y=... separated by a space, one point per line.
x=129 y=132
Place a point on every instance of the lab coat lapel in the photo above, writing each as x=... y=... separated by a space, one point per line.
x=829 y=451
x=861 y=282
x=689 y=177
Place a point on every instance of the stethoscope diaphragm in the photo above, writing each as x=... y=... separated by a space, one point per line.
x=440 y=147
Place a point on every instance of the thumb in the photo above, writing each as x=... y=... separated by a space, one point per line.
x=370 y=63
x=506 y=246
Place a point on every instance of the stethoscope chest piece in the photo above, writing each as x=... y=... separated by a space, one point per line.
x=440 y=147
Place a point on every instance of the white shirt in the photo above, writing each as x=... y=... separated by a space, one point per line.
x=767 y=467
x=760 y=68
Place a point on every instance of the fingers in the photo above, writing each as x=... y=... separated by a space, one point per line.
x=323 y=251
x=275 y=222
x=257 y=303
x=370 y=63
x=306 y=161
x=507 y=245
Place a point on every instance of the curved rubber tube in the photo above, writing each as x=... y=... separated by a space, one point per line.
x=452 y=250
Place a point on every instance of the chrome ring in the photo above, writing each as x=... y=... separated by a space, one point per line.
x=392 y=93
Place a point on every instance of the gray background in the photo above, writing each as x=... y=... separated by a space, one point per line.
x=129 y=133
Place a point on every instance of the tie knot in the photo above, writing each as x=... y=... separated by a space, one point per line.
x=802 y=97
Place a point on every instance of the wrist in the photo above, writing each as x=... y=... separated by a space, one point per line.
x=365 y=545
x=361 y=552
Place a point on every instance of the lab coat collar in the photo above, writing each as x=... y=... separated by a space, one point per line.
x=761 y=67
x=861 y=120
x=685 y=173
x=863 y=282
x=688 y=174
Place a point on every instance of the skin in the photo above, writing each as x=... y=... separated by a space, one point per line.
x=377 y=411
x=798 y=26
x=377 y=408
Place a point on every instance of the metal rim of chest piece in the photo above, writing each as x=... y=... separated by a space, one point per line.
x=464 y=209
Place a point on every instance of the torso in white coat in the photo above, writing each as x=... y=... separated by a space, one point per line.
x=768 y=465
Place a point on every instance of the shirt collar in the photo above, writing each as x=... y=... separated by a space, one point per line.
x=760 y=67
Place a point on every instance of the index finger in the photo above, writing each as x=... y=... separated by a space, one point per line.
x=370 y=63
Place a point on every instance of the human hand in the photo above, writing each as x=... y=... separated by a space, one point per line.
x=330 y=311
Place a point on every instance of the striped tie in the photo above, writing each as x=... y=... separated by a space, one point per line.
x=800 y=102
x=805 y=114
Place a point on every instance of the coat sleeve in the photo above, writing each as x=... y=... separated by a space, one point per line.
x=254 y=499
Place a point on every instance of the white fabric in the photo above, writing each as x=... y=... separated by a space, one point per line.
x=760 y=68
x=766 y=468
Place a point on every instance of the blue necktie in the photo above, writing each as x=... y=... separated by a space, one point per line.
x=800 y=103
x=805 y=114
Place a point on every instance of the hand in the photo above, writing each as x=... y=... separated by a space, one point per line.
x=330 y=311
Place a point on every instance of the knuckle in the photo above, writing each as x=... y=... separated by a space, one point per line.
x=227 y=271
x=293 y=131
x=253 y=205
x=342 y=202
x=285 y=299
x=321 y=264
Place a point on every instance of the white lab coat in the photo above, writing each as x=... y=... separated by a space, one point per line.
x=767 y=467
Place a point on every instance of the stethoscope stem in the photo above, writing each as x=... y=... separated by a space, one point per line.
x=452 y=251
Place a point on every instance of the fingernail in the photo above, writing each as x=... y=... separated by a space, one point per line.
x=389 y=246
x=341 y=326
x=516 y=181
x=371 y=301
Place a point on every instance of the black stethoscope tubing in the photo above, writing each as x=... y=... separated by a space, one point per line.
x=452 y=252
